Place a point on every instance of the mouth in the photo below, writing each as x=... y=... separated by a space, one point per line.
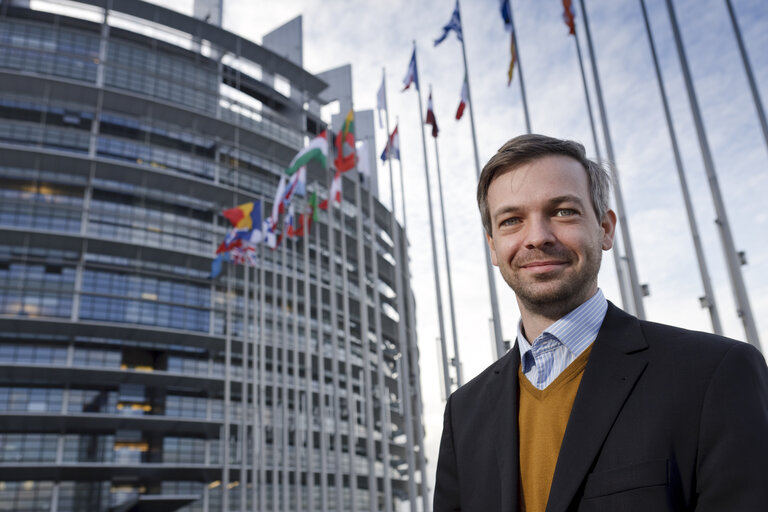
x=544 y=266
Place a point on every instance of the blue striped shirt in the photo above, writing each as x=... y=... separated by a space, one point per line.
x=562 y=342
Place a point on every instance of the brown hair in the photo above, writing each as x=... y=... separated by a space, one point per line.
x=527 y=148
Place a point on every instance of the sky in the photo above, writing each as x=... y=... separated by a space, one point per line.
x=376 y=36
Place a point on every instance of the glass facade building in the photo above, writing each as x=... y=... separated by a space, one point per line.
x=129 y=380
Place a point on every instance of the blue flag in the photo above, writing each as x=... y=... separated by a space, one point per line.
x=216 y=264
x=453 y=24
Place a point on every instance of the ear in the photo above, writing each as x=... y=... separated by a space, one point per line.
x=492 y=249
x=608 y=225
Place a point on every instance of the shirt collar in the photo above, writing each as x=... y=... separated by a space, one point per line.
x=576 y=330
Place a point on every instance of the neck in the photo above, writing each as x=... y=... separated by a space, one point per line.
x=537 y=317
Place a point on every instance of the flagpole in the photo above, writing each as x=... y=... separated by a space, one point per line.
x=708 y=300
x=321 y=359
x=334 y=346
x=363 y=287
x=399 y=238
x=519 y=69
x=244 y=391
x=435 y=266
x=308 y=367
x=384 y=391
x=273 y=411
x=732 y=258
x=637 y=294
x=495 y=314
x=617 y=259
x=257 y=471
x=227 y=395
x=748 y=70
x=351 y=405
x=456 y=361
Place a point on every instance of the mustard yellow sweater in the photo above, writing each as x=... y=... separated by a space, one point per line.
x=542 y=419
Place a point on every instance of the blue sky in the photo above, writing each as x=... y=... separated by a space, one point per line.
x=376 y=35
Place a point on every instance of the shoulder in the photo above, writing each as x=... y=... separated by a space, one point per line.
x=481 y=387
x=685 y=347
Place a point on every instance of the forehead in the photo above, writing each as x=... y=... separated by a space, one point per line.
x=539 y=180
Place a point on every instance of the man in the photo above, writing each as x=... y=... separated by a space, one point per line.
x=593 y=409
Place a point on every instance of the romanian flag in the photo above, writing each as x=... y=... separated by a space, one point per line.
x=345 y=145
x=241 y=217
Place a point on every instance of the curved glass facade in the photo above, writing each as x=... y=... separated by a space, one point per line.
x=129 y=380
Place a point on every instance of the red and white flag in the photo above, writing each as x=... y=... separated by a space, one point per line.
x=412 y=75
x=464 y=99
x=334 y=193
x=431 y=116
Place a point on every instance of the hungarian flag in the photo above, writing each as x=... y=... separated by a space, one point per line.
x=345 y=145
x=431 y=116
x=568 y=16
x=464 y=99
x=334 y=193
x=392 y=150
x=412 y=75
x=317 y=149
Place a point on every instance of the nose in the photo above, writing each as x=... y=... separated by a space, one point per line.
x=539 y=232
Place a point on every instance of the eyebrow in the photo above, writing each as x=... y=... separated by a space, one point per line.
x=554 y=201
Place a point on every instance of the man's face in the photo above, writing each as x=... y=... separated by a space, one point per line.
x=546 y=239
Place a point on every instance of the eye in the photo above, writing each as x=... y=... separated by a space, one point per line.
x=565 y=212
x=511 y=221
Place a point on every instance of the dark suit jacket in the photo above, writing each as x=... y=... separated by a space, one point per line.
x=665 y=419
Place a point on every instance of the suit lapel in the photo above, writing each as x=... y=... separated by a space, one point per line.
x=615 y=364
x=505 y=428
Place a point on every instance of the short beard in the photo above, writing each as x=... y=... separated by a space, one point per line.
x=564 y=297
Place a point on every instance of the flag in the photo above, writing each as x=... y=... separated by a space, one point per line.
x=299 y=230
x=312 y=211
x=240 y=216
x=244 y=219
x=216 y=264
x=270 y=239
x=277 y=203
x=512 y=58
x=431 y=116
x=296 y=186
x=230 y=242
x=506 y=14
x=381 y=101
x=244 y=256
x=334 y=194
x=363 y=160
x=317 y=149
x=453 y=24
x=464 y=99
x=345 y=145
x=568 y=16
x=412 y=76
x=287 y=226
x=392 y=150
